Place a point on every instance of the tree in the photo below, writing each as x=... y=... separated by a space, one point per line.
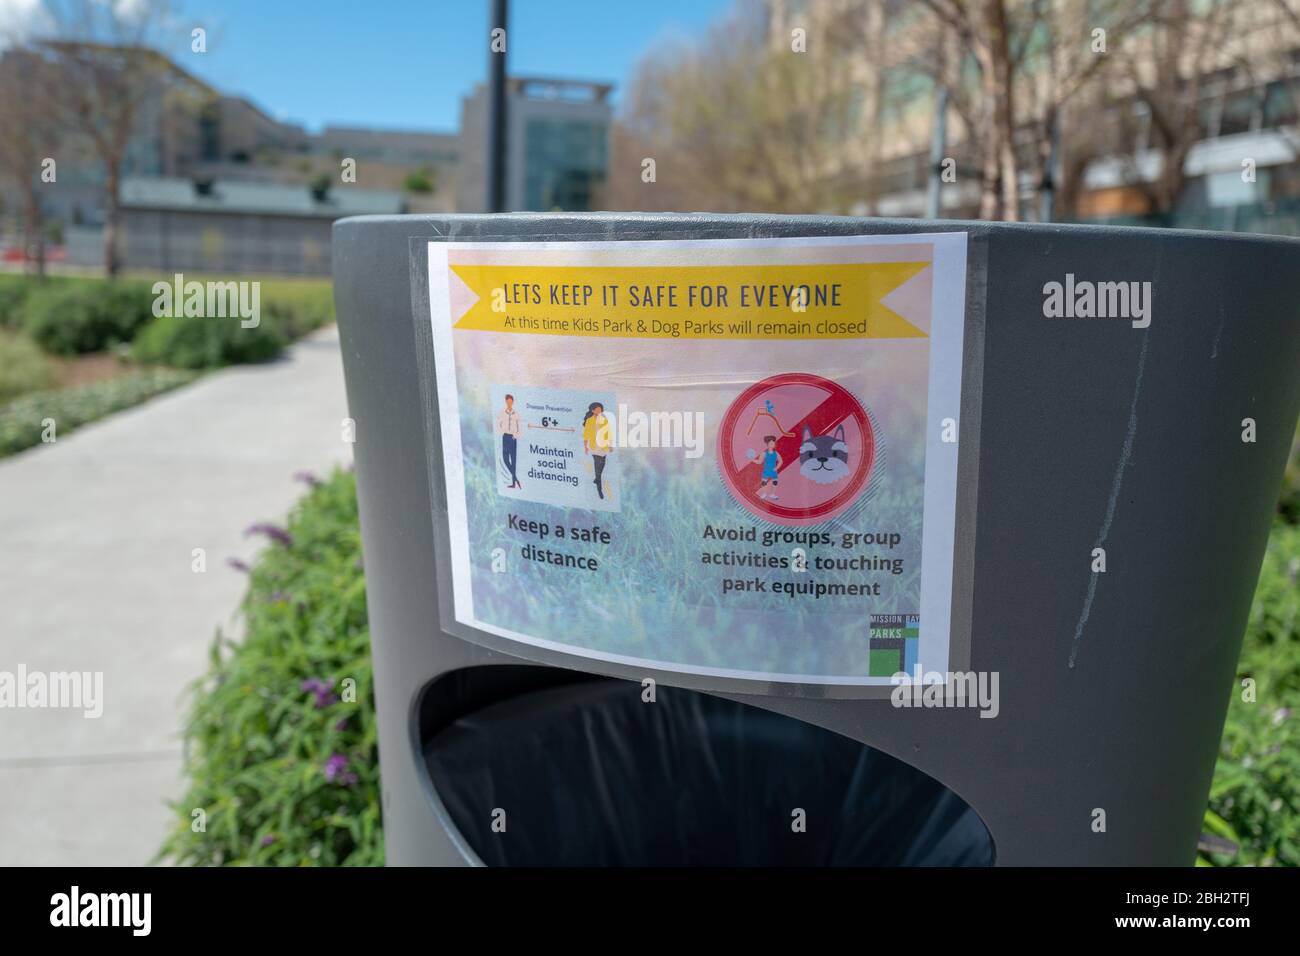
x=1168 y=69
x=1290 y=10
x=984 y=28
x=1033 y=58
x=924 y=46
x=28 y=139
x=108 y=72
x=735 y=122
x=422 y=180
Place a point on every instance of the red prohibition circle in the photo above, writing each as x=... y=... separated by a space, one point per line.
x=806 y=400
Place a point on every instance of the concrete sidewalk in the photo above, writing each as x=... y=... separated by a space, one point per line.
x=96 y=536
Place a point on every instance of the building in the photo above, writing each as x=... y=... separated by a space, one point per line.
x=182 y=126
x=215 y=183
x=224 y=226
x=424 y=164
x=557 y=145
x=1232 y=98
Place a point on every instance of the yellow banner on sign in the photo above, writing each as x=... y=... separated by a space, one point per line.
x=822 y=301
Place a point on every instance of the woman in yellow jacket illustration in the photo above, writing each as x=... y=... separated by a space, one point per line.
x=596 y=441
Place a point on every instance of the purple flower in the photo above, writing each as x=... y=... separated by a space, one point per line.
x=238 y=565
x=307 y=478
x=336 y=771
x=322 y=689
x=268 y=839
x=276 y=534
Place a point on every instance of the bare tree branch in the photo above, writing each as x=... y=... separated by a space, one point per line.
x=107 y=70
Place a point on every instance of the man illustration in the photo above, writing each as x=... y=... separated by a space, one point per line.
x=508 y=426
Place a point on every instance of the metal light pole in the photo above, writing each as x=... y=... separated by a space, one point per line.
x=1047 y=194
x=938 y=146
x=496 y=147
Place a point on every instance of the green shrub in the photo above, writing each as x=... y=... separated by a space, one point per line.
x=67 y=315
x=420 y=181
x=1288 y=504
x=23 y=367
x=1255 y=797
x=129 y=304
x=13 y=290
x=68 y=318
x=198 y=343
x=21 y=420
x=297 y=306
x=291 y=320
x=280 y=756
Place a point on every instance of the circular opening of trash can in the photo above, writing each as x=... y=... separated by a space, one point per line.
x=590 y=774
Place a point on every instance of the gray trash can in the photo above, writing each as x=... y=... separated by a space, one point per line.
x=758 y=540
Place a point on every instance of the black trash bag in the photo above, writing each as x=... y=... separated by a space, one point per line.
x=589 y=775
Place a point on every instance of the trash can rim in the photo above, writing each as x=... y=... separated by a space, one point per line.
x=751 y=220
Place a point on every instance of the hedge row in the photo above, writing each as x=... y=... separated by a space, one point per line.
x=281 y=741
x=23 y=366
x=22 y=421
x=1255 y=797
x=67 y=316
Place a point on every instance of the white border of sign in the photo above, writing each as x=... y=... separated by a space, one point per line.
x=947 y=332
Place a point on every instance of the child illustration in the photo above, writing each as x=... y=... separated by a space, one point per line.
x=596 y=441
x=771 y=469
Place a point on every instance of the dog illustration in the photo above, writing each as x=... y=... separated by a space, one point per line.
x=824 y=458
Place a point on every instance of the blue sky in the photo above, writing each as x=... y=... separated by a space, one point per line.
x=405 y=64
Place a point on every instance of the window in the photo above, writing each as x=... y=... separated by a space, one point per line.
x=210 y=133
x=1280 y=103
x=1239 y=110
x=563 y=160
